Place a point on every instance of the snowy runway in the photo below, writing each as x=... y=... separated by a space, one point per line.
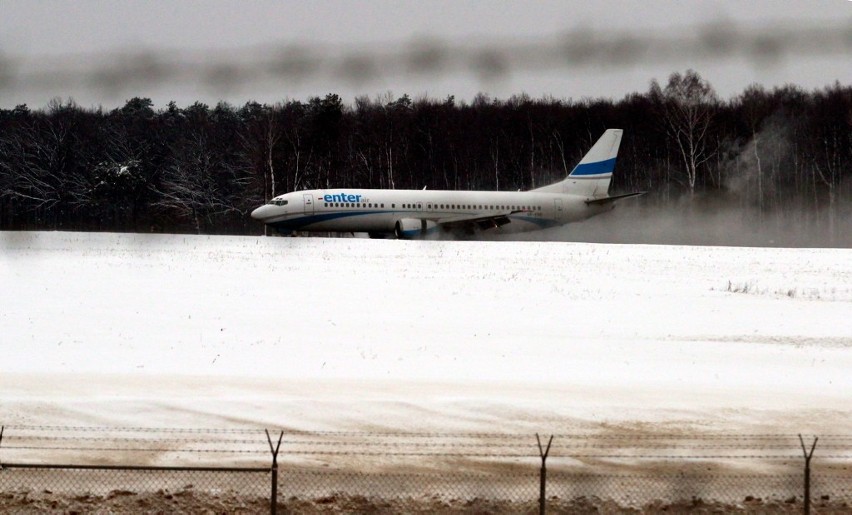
x=347 y=333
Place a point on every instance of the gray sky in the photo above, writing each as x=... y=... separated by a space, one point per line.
x=37 y=38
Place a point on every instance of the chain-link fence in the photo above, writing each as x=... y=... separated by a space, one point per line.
x=70 y=488
x=111 y=75
x=45 y=468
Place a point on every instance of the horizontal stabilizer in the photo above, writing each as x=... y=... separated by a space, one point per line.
x=607 y=200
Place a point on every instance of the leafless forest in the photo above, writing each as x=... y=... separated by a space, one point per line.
x=783 y=153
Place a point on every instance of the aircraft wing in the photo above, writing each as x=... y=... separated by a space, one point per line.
x=607 y=200
x=482 y=222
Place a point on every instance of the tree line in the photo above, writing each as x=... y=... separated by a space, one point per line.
x=781 y=152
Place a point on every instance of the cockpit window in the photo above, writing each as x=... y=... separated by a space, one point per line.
x=278 y=202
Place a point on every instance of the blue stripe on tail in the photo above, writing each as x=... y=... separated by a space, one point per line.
x=598 y=168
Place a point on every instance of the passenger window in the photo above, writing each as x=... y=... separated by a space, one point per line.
x=393 y=205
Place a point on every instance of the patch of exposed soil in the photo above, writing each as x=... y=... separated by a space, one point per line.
x=189 y=501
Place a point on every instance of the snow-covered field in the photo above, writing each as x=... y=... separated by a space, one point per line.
x=314 y=333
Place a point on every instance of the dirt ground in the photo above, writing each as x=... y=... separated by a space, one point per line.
x=189 y=501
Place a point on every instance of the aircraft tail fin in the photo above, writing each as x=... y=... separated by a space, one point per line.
x=591 y=177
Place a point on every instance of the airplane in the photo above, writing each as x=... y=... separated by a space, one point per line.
x=423 y=213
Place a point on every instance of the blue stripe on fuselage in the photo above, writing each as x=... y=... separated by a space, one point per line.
x=306 y=220
x=301 y=222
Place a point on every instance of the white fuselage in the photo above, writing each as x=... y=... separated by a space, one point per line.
x=418 y=212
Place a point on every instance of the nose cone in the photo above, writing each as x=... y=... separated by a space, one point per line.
x=262 y=212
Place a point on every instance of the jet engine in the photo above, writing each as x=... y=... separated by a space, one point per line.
x=412 y=227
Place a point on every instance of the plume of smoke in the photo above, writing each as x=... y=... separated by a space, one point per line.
x=750 y=165
x=706 y=220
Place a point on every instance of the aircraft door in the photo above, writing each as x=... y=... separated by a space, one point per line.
x=309 y=203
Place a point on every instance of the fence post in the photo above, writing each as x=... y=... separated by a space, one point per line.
x=808 y=456
x=542 y=490
x=273 y=501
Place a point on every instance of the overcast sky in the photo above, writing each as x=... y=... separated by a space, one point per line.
x=39 y=37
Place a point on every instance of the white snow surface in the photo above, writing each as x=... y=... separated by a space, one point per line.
x=327 y=333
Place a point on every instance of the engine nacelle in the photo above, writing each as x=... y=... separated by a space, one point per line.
x=412 y=227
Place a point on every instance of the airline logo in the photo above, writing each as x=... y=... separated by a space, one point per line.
x=342 y=197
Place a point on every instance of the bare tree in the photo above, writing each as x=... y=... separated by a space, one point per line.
x=32 y=164
x=197 y=183
x=687 y=105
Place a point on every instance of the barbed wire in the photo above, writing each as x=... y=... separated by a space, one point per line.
x=368 y=443
x=134 y=429
x=363 y=453
x=576 y=446
x=140 y=439
x=436 y=446
x=135 y=449
x=423 y=434
x=112 y=74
